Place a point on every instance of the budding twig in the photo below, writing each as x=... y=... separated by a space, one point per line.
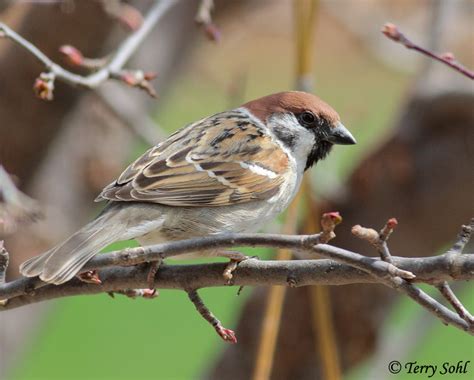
x=45 y=85
x=226 y=334
x=463 y=238
x=329 y=221
x=75 y=58
x=399 y=277
x=204 y=18
x=391 y=31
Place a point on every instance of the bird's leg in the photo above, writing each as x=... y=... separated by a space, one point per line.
x=235 y=258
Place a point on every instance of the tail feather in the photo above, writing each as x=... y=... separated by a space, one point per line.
x=71 y=256
x=64 y=261
x=34 y=266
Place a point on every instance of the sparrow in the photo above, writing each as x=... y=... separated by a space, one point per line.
x=230 y=172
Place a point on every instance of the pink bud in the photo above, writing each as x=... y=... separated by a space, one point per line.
x=43 y=88
x=130 y=17
x=334 y=216
x=448 y=56
x=72 y=55
x=128 y=78
x=391 y=31
x=212 y=32
x=392 y=223
x=150 y=75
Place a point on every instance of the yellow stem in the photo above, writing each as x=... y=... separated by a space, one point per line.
x=273 y=310
x=321 y=307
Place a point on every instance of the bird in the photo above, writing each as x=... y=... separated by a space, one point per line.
x=229 y=172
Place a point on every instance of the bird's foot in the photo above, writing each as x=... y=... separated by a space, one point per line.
x=235 y=259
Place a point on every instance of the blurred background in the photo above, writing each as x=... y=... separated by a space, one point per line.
x=414 y=122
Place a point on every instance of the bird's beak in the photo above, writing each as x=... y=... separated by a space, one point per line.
x=338 y=134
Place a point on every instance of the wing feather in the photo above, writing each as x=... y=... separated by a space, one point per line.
x=225 y=159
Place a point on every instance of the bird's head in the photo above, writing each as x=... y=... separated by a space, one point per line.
x=304 y=123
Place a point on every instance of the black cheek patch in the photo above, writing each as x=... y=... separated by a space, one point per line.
x=285 y=136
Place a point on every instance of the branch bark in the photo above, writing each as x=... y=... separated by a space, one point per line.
x=345 y=267
x=294 y=273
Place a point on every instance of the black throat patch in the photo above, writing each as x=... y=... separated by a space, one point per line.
x=319 y=151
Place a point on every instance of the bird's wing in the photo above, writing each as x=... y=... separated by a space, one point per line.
x=222 y=160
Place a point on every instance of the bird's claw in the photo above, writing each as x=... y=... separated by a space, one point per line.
x=233 y=264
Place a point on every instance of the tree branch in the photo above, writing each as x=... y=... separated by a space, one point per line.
x=398 y=280
x=119 y=270
x=112 y=69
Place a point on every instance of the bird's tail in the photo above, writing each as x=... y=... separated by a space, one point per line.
x=64 y=261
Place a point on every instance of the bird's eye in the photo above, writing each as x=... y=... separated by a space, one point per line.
x=307 y=118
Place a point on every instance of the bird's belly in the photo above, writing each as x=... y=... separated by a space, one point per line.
x=191 y=223
x=185 y=223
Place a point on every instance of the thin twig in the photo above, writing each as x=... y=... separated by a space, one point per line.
x=463 y=238
x=448 y=293
x=226 y=334
x=391 y=31
x=379 y=241
x=204 y=18
x=444 y=288
x=113 y=67
x=401 y=284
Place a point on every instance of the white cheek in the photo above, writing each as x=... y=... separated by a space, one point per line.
x=302 y=148
x=303 y=142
